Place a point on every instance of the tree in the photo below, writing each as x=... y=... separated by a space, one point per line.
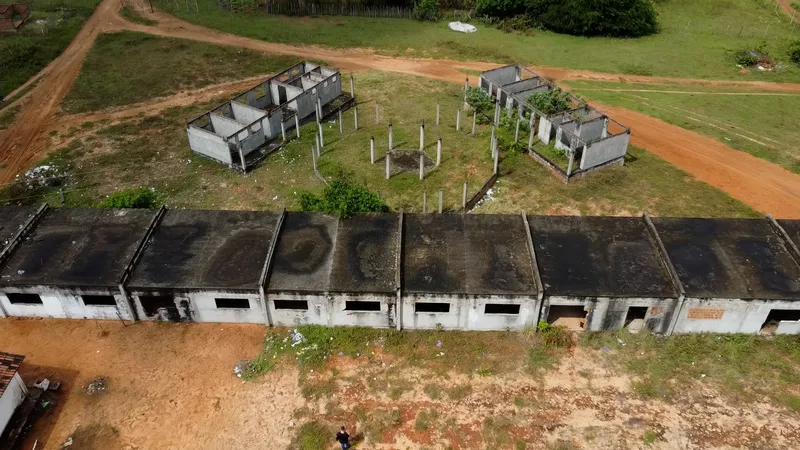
x=343 y=198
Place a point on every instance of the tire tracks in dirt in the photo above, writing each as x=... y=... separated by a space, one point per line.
x=764 y=186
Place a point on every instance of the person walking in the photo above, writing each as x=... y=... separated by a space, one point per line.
x=343 y=438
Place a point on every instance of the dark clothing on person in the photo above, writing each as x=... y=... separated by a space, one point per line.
x=343 y=438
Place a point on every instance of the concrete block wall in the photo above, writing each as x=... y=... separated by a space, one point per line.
x=455 y=319
x=200 y=306
x=730 y=315
x=605 y=150
x=317 y=311
x=209 y=144
x=605 y=313
x=479 y=317
x=65 y=304
x=468 y=312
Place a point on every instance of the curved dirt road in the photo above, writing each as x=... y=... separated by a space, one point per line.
x=764 y=186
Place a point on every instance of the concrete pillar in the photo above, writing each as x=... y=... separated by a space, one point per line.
x=316 y=115
x=318 y=147
x=421 y=136
x=604 y=134
x=390 y=137
x=497 y=112
x=421 y=166
x=437 y=114
x=377 y=114
x=474 y=121
x=458 y=120
x=297 y=124
x=352 y=86
x=490 y=88
x=532 y=133
x=491 y=140
x=283 y=131
x=571 y=156
x=466 y=89
x=424 y=201
x=372 y=149
x=314 y=157
x=464 y=197
x=496 y=160
x=438 y=152
x=340 y=122
x=388 y=166
x=516 y=133
x=559 y=132
x=241 y=157
x=319 y=105
x=440 y=201
x=321 y=137
x=355 y=116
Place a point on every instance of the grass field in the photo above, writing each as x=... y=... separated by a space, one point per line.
x=100 y=158
x=697 y=39
x=25 y=53
x=155 y=66
x=765 y=126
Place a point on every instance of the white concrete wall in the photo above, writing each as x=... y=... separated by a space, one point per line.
x=788 y=327
x=606 y=313
x=523 y=85
x=544 y=130
x=13 y=396
x=318 y=312
x=592 y=130
x=224 y=126
x=456 y=319
x=478 y=320
x=66 y=304
x=199 y=306
x=385 y=318
x=501 y=75
x=292 y=91
x=329 y=89
x=254 y=140
x=245 y=114
x=209 y=144
x=605 y=150
x=729 y=315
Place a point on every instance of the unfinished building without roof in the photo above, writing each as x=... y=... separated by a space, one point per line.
x=590 y=139
x=242 y=132
x=417 y=271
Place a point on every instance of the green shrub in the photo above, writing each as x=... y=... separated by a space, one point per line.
x=550 y=102
x=133 y=198
x=343 y=198
x=499 y=8
x=794 y=52
x=427 y=10
x=746 y=58
x=480 y=101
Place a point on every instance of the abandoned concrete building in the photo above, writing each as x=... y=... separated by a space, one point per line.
x=12 y=388
x=415 y=271
x=13 y=16
x=590 y=139
x=241 y=132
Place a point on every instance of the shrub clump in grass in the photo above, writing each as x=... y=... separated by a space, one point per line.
x=427 y=10
x=312 y=436
x=550 y=102
x=344 y=199
x=757 y=57
x=480 y=101
x=133 y=198
x=794 y=52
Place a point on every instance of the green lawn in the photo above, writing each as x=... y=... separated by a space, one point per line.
x=765 y=126
x=25 y=53
x=703 y=49
x=98 y=158
x=155 y=66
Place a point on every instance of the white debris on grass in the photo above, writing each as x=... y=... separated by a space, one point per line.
x=462 y=27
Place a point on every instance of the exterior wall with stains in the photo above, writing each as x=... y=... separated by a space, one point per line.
x=65 y=303
x=468 y=312
x=731 y=315
x=314 y=311
x=199 y=306
x=605 y=313
x=294 y=309
x=497 y=312
x=454 y=319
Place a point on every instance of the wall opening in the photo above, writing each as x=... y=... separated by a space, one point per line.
x=152 y=303
x=776 y=316
x=362 y=306
x=99 y=300
x=569 y=316
x=24 y=299
x=634 y=319
x=500 y=308
x=431 y=307
x=291 y=304
x=232 y=303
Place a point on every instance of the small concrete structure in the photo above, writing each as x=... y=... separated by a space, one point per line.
x=738 y=274
x=239 y=133
x=72 y=264
x=467 y=272
x=204 y=266
x=602 y=273
x=586 y=135
x=12 y=389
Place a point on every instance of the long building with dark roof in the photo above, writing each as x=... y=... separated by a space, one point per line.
x=412 y=271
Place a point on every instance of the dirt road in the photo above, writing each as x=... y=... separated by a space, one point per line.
x=758 y=183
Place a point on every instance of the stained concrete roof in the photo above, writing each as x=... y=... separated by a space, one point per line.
x=304 y=253
x=365 y=254
x=11 y=220
x=792 y=228
x=206 y=249
x=597 y=257
x=77 y=247
x=730 y=258
x=466 y=254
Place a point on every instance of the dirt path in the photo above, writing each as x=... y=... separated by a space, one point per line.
x=758 y=183
x=787 y=8
x=764 y=186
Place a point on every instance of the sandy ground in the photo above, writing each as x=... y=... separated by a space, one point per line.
x=764 y=186
x=171 y=387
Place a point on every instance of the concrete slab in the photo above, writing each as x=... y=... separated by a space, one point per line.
x=365 y=254
x=304 y=253
x=12 y=219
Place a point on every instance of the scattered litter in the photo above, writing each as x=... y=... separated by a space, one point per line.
x=275 y=198
x=98 y=385
x=358 y=354
x=297 y=337
x=20 y=272
x=43 y=385
x=43 y=176
x=438 y=343
x=621 y=342
x=67 y=443
x=605 y=349
x=702 y=375
x=241 y=367
x=291 y=423
x=462 y=27
x=341 y=353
